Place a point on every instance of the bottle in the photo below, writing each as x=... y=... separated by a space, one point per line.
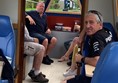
x=76 y=27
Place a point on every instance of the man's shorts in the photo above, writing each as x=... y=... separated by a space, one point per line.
x=80 y=79
x=42 y=37
x=31 y=48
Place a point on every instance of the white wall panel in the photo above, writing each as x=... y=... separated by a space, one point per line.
x=105 y=7
x=10 y=8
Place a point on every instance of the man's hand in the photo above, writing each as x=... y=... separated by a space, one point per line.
x=31 y=20
x=36 y=40
x=48 y=31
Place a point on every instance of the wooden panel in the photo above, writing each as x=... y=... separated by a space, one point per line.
x=15 y=26
x=117 y=7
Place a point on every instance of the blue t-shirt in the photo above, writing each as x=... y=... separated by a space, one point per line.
x=98 y=41
x=41 y=22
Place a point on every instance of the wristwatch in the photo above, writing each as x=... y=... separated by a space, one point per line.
x=83 y=59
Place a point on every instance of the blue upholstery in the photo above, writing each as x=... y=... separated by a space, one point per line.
x=85 y=48
x=107 y=67
x=3 y=81
x=7 y=41
x=110 y=27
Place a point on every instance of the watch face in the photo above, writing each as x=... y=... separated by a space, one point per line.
x=83 y=59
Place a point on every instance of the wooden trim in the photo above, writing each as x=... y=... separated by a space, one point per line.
x=20 y=40
x=15 y=25
x=80 y=5
x=117 y=7
x=114 y=12
x=83 y=12
x=64 y=12
x=48 y=6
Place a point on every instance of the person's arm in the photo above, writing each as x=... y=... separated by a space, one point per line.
x=28 y=38
x=81 y=38
x=91 y=61
x=30 y=19
x=87 y=60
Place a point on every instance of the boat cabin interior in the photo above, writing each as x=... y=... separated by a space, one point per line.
x=66 y=20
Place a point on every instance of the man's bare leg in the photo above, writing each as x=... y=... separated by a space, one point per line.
x=38 y=59
x=51 y=45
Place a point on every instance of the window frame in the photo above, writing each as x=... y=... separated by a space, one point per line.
x=117 y=7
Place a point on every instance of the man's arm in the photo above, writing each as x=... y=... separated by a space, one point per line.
x=91 y=61
x=28 y=38
x=87 y=60
x=30 y=19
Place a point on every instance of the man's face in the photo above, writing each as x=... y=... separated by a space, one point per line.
x=91 y=24
x=40 y=7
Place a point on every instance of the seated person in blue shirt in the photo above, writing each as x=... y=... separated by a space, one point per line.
x=99 y=38
x=41 y=31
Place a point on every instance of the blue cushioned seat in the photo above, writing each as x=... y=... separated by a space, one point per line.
x=107 y=67
x=110 y=27
x=7 y=47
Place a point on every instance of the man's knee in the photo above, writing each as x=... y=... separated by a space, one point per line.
x=42 y=48
x=53 y=40
x=45 y=41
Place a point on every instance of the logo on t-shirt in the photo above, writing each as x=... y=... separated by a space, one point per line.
x=109 y=38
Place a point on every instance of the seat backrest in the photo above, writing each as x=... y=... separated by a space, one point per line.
x=107 y=67
x=110 y=27
x=7 y=39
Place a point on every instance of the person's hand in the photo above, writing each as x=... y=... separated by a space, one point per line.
x=36 y=40
x=78 y=58
x=48 y=31
x=32 y=22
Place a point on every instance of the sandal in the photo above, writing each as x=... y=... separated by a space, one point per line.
x=63 y=58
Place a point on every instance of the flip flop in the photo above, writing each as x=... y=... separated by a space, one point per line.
x=63 y=58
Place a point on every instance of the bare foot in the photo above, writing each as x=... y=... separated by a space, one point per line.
x=63 y=58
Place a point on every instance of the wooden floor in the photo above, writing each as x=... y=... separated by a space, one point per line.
x=53 y=72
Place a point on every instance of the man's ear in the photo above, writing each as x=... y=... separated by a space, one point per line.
x=101 y=25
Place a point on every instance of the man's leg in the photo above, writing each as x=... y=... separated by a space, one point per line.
x=44 y=41
x=38 y=57
x=51 y=45
x=36 y=50
x=64 y=81
x=45 y=44
x=79 y=79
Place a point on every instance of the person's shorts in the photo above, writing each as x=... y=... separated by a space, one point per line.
x=80 y=79
x=41 y=37
x=31 y=48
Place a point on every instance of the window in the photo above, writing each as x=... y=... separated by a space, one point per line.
x=31 y=4
x=64 y=6
x=57 y=6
